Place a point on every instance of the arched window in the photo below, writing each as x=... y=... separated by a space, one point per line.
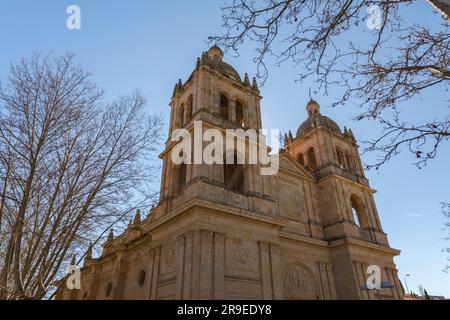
x=312 y=164
x=180 y=120
x=357 y=210
x=224 y=112
x=181 y=181
x=301 y=159
x=189 y=107
x=349 y=161
x=233 y=175
x=356 y=217
x=340 y=158
x=239 y=114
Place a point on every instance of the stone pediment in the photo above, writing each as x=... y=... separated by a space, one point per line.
x=288 y=163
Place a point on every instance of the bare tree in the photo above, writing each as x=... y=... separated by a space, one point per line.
x=397 y=62
x=446 y=212
x=70 y=164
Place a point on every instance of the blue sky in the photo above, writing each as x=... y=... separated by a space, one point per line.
x=148 y=45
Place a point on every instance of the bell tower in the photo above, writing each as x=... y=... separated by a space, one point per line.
x=213 y=97
x=351 y=224
x=333 y=158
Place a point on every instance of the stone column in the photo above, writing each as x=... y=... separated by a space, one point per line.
x=95 y=283
x=322 y=277
x=331 y=284
x=121 y=277
x=184 y=265
x=219 y=265
x=278 y=286
x=266 y=270
x=156 y=254
x=206 y=287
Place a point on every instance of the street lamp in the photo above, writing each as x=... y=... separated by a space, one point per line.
x=406 y=284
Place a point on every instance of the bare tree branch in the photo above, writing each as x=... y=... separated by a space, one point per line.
x=398 y=62
x=70 y=167
x=446 y=212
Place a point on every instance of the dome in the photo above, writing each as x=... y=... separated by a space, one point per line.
x=213 y=59
x=226 y=70
x=315 y=121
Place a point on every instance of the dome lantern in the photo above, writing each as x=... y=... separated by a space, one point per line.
x=215 y=52
x=315 y=119
x=312 y=108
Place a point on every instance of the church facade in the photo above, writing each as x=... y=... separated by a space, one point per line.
x=227 y=232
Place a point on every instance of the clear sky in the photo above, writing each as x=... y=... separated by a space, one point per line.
x=148 y=45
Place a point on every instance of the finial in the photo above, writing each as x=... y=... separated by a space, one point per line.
x=203 y=58
x=310 y=97
x=246 y=80
x=180 y=84
x=255 y=85
x=110 y=236
x=137 y=217
x=73 y=262
x=351 y=134
x=88 y=254
x=346 y=134
x=291 y=137
x=175 y=89
x=197 y=64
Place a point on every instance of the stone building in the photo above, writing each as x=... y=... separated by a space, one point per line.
x=228 y=232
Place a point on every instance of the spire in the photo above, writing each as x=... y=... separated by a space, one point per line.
x=291 y=137
x=73 y=262
x=110 y=236
x=255 y=85
x=246 y=80
x=350 y=132
x=175 y=89
x=203 y=58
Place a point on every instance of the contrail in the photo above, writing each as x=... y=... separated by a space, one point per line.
x=412 y=215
